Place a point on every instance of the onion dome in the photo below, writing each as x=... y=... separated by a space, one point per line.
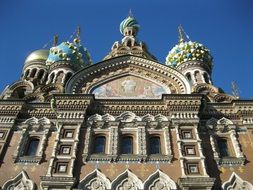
x=129 y=22
x=38 y=55
x=72 y=52
x=188 y=51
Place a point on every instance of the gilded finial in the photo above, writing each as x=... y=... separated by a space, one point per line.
x=55 y=42
x=130 y=14
x=182 y=35
x=78 y=32
x=235 y=90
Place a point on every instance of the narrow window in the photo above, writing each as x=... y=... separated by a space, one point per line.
x=127 y=145
x=223 y=147
x=155 y=146
x=99 y=145
x=206 y=78
x=32 y=147
x=188 y=75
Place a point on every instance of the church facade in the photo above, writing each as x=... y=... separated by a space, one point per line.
x=125 y=123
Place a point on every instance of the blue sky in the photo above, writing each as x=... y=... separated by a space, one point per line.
x=224 y=26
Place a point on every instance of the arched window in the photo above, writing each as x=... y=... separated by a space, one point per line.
x=154 y=145
x=33 y=73
x=68 y=75
x=223 y=147
x=40 y=74
x=127 y=145
x=206 y=78
x=32 y=147
x=99 y=145
x=27 y=73
x=188 y=75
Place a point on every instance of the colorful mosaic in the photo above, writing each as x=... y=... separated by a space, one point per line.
x=130 y=87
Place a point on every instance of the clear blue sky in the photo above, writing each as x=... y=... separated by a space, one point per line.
x=224 y=26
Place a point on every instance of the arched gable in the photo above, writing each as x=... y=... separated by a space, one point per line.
x=159 y=180
x=21 y=181
x=95 y=180
x=235 y=182
x=127 y=180
x=128 y=73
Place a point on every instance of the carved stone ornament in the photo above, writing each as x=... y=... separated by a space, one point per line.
x=95 y=181
x=235 y=182
x=159 y=181
x=20 y=182
x=127 y=181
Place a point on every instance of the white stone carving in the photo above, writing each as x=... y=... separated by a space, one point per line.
x=20 y=182
x=95 y=181
x=159 y=181
x=236 y=183
x=224 y=121
x=127 y=181
x=128 y=117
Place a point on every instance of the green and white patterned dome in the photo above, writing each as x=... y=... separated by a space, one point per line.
x=188 y=51
x=130 y=21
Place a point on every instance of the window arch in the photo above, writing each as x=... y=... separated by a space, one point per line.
x=27 y=72
x=68 y=75
x=223 y=147
x=206 y=78
x=33 y=73
x=40 y=74
x=32 y=146
x=99 y=145
x=127 y=145
x=154 y=145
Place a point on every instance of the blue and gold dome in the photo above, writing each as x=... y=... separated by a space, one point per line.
x=186 y=50
x=130 y=21
x=72 y=52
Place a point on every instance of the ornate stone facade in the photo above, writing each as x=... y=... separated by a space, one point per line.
x=125 y=123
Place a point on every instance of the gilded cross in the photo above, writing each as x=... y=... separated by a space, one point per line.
x=33 y=169
x=222 y=169
x=241 y=169
x=143 y=170
x=245 y=143
x=112 y=170
x=16 y=168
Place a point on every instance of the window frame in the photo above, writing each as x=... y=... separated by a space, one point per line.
x=121 y=144
x=28 y=144
x=184 y=131
x=94 y=146
x=189 y=165
x=222 y=139
x=160 y=149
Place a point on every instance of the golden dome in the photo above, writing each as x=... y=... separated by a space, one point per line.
x=37 y=55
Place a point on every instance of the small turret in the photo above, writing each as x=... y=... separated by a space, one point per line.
x=192 y=59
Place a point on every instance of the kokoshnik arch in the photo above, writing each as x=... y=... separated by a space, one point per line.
x=127 y=122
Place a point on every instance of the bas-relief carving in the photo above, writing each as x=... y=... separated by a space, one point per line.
x=130 y=87
x=236 y=183
x=20 y=182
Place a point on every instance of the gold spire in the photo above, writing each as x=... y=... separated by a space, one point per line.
x=235 y=90
x=130 y=14
x=78 y=32
x=55 y=42
x=182 y=35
